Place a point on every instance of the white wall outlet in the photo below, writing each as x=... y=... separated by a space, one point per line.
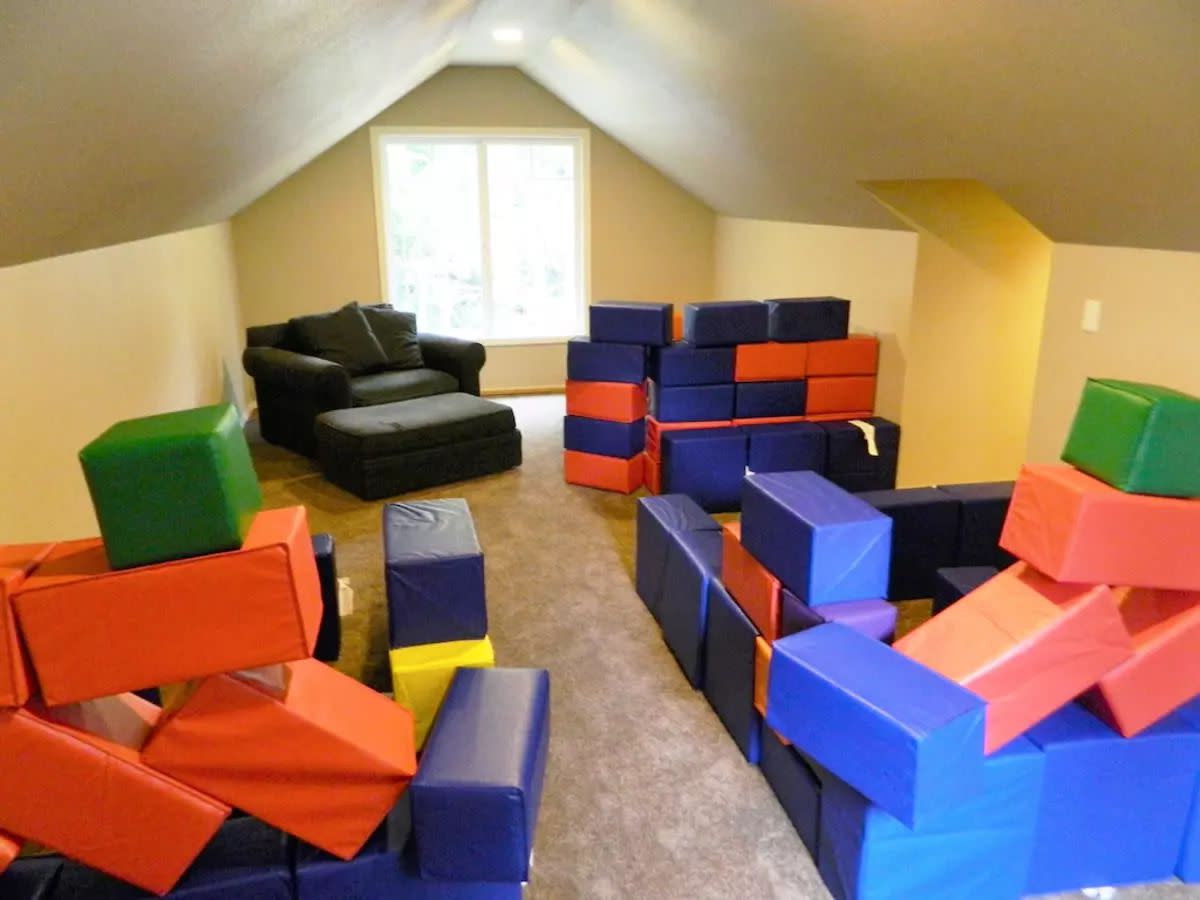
x=1091 y=316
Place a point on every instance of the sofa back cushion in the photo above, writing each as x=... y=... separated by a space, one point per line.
x=342 y=336
x=396 y=332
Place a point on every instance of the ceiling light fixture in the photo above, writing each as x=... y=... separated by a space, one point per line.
x=507 y=35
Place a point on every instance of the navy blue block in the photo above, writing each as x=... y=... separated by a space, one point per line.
x=692 y=403
x=725 y=324
x=150 y=695
x=808 y=319
x=624 y=440
x=765 y=399
x=31 y=878
x=902 y=735
x=825 y=545
x=786 y=447
x=627 y=322
x=378 y=872
x=796 y=786
x=476 y=795
x=433 y=567
x=657 y=519
x=329 y=637
x=925 y=524
x=953 y=583
x=707 y=464
x=682 y=364
x=729 y=670
x=984 y=508
x=591 y=360
x=693 y=560
x=849 y=462
x=796 y=615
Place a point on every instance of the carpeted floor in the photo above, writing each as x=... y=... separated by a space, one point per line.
x=646 y=797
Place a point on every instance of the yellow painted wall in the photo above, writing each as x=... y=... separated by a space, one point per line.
x=311 y=243
x=91 y=338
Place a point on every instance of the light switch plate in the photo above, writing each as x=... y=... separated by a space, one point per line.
x=1091 y=316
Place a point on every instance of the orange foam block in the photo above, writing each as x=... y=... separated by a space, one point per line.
x=1077 y=528
x=1164 y=671
x=770 y=362
x=325 y=764
x=652 y=473
x=1024 y=643
x=752 y=587
x=855 y=355
x=655 y=429
x=608 y=400
x=840 y=416
x=92 y=632
x=762 y=670
x=95 y=801
x=16 y=562
x=771 y=420
x=677 y=324
x=609 y=473
x=9 y=848
x=840 y=394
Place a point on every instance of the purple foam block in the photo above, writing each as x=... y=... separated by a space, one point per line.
x=874 y=618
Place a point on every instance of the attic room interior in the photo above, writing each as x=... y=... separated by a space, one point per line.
x=560 y=449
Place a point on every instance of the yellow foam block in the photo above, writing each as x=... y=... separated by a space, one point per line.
x=421 y=676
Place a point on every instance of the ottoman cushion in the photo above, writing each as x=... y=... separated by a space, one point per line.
x=415 y=424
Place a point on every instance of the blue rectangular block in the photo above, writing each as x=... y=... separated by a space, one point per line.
x=627 y=322
x=624 y=440
x=980 y=849
x=707 y=464
x=925 y=523
x=433 y=568
x=1114 y=810
x=592 y=360
x=825 y=545
x=902 y=735
x=765 y=399
x=984 y=508
x=849 y=461
x=808 y=319
x=329 y=636
x=951 y=584
x=692 y=403
x=725 y=324
x=786 y=447
x=795 y=785
x=683 y=364
x=476 y=795
x=693 y=560
x=729 y=670
x=658 y=518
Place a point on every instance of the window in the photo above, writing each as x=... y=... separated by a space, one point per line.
x=483 y=235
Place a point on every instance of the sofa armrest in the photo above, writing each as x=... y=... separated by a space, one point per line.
x=325 y=383
x=462 y=359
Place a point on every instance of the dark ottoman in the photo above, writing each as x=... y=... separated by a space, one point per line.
x=379 y=451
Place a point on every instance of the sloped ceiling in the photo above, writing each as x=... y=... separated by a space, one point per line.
x=119 y=120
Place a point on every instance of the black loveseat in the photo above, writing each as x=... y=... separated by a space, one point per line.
x=294 y=385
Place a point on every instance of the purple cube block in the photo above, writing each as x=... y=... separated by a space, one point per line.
x=874 y=618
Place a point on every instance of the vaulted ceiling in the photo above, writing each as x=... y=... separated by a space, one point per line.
x=120 y=119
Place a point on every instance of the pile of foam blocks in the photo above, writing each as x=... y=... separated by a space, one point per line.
x=264 y=774
x=767 y=385
x=1040 y=733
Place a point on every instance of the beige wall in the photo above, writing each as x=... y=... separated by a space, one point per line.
x=95 y=337
x=1150 y=321
x=311 y=243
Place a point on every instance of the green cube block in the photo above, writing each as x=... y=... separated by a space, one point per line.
x=172 y=486
x=1140 y=438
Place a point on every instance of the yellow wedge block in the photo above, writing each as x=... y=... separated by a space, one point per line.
x=421 y=676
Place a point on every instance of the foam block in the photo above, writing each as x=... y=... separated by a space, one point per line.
x=172 y=486
x=1077 y=528
x=93 y=632
x=808 y=318
x=874 y=618
x=786 y=447
x=769 y=420
x=1113 y=809
x=907 y=738
x=855 y=355
x=1024 y=643
x=652 y=473
x=951 y=584
x=840 y=393
x=725 y=324
x=762 y=673
x=850 y=416
x=475 y=800
x=795 y=785
x=925 y=529
x=984 y=506
x=754 y=588
x=677 y=323
x=771 y=362
x=630 y=322
x=729 y=648
x=421 y=676
x=607 y=473
x=623 y=440
x=31 y=878
x=658 y=518
x=707 y=465
x=682 y=364
x=692 y=403
x=1137 y=437
x=693 y=560
x=9 y=848
x=593 y=360
x=768 y=399
x=609 y=400
x=656 y=429
x=16 y=563
x=329 y=637
x=850 y=461
x=325 y=764
x=796 y=615
x=824 y=544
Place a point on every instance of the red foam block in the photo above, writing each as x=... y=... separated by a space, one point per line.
x=608 y=400
x=608 y=473
x=754 y=589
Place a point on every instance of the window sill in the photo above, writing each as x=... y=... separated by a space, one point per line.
x=522 y=342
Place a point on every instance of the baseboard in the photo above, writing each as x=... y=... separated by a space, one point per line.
x=523 y=391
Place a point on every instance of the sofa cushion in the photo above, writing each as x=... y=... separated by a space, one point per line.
x=389 y=387
x=396 y=332
x=342 y=336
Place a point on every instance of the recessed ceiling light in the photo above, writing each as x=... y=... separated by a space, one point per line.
x=507 y=35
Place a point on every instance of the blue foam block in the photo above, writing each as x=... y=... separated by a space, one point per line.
x=725 y=324
x=1114 y=810
x=764 y=399
x=433 y=567
x=591 y=360
x=707 y=464
x=623 y=440
x=682 y=364
x=796 y=786
x=329 y=636
x=808 y=319
x=693 y=560
x=984 y=508
x=31 y=878
x=925 y=524
x=786 y=447
x=796 y=615
x=657 y=519
x=901 y=734
x=476 y=795
x=729 y=670
x=980 y=849
x=951 y=584
x=849 y=462
x=692 y=403
x=626 y=322
x=825 y=545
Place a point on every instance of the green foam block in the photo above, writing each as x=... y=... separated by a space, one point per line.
x=172 y=486
x=1140 y=438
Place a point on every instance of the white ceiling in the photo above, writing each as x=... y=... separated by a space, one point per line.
x=120 y=119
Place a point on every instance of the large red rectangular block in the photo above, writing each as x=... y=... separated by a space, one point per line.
x=840 y=394
x=752 y=587
x=16 y=562
x=770 y=362
x=855 y=355
x=608 y=473
x=608 y=400
x=655 y=430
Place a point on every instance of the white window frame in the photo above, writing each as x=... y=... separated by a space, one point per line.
x=581 y=137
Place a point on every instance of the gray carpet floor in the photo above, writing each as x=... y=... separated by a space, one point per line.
x=646 y=796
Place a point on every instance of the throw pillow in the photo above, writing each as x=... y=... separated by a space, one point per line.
x=342 y=336
x=396 y=332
